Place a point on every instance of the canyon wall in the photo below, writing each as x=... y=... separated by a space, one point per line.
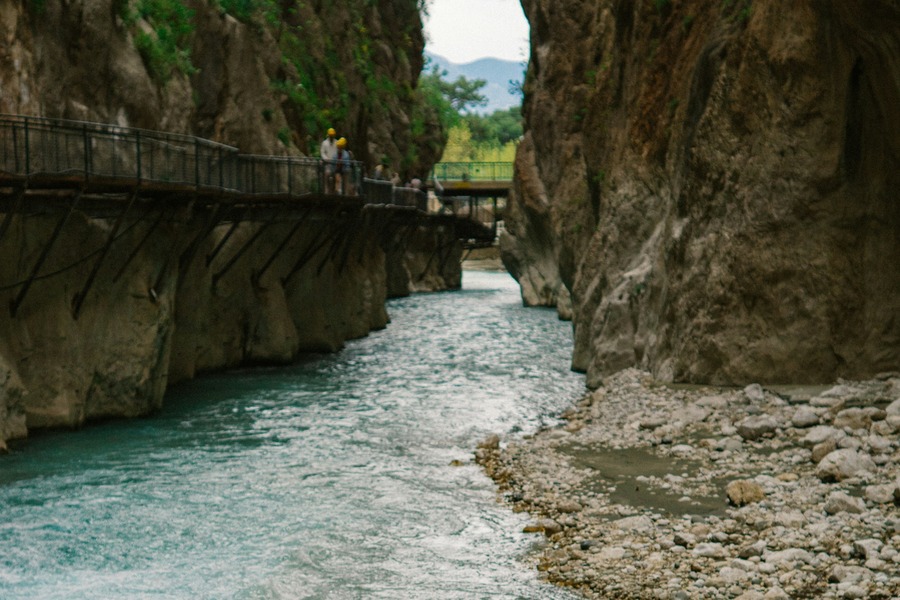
x=158 y=313
x=266 y=77
x=715 y=186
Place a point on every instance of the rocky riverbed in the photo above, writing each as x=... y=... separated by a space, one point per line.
x=651 y=491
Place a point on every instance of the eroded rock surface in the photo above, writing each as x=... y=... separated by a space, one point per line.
x=715 y=184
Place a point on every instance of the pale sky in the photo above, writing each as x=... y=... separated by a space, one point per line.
x=466 y=30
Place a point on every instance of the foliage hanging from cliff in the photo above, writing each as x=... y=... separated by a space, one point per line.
x=164 y=45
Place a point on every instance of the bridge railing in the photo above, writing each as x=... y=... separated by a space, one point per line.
x=384 y=192
x=473 y=171
x=288 y=175
x=36 y=146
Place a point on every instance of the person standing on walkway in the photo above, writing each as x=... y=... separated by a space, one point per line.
x=328 y=153
x=343 y=169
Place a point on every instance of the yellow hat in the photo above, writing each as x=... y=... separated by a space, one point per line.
x=331 y=131
x=342 y=142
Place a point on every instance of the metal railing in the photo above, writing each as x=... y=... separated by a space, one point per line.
x=378 y=191
x=473 y=171
x=36 y=146
x=74 y=152
x=33 y=147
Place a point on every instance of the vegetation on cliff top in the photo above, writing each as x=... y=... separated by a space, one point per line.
x=470 y=136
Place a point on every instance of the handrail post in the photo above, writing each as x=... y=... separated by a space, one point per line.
x=15 y=148
x=27 y=151
x=137 y=152
x=196 y=163
x=87 y=152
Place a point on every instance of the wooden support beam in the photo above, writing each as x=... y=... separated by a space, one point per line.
x=443 y=263
x=173 y=250
x=20 y=298
x=352 y=234
x=335 y=245
x=140 y=245
x=323 y=236
x=234 y=225
x=259 y=274
x=16 y=208
x=237 y=255
x=78 y=299
x=184 y=261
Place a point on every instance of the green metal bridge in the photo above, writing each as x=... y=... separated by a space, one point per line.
x=473 y=179
x=476 y=189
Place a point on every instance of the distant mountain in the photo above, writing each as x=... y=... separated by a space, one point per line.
x=497 y=72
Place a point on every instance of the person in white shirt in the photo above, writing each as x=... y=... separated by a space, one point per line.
x=328 y=153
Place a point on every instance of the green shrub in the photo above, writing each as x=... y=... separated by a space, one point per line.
x=166 y=49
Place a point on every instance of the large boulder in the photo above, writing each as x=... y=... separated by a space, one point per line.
x=715 y=186
x=843 y=464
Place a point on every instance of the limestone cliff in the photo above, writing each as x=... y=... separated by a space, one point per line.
x=716 y=185
x=266 y=77
x=160 y=312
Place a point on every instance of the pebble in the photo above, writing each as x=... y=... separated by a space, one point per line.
x=809 y=535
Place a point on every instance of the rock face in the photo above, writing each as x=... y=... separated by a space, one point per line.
x=715 y=185
x=424 y=259
x=266 y=77
x=265 y=82
x=165 y=319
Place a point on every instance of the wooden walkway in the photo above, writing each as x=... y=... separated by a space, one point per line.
x=58 y=166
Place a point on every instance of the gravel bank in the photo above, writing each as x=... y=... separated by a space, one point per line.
x=658 y=492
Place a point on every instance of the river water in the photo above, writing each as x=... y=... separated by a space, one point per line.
x=331 y=478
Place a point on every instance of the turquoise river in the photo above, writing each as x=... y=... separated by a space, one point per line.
x=331 y=478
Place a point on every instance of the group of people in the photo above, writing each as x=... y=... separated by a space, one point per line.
x=339 y=169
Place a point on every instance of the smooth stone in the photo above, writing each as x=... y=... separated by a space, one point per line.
x=710 y=550
x=822 y=450
x=790 y=555
x=843 y=464
x=805 y=417
x=893 y=409
x=839 y=502
x=821 y=433
x=492 y=442
x=867 y=548
x=568 y=506
x=754 y=393
x=849 y=574
x=753 y=428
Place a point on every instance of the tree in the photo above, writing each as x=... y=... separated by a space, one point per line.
x=498 y=128
x=451 y=97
